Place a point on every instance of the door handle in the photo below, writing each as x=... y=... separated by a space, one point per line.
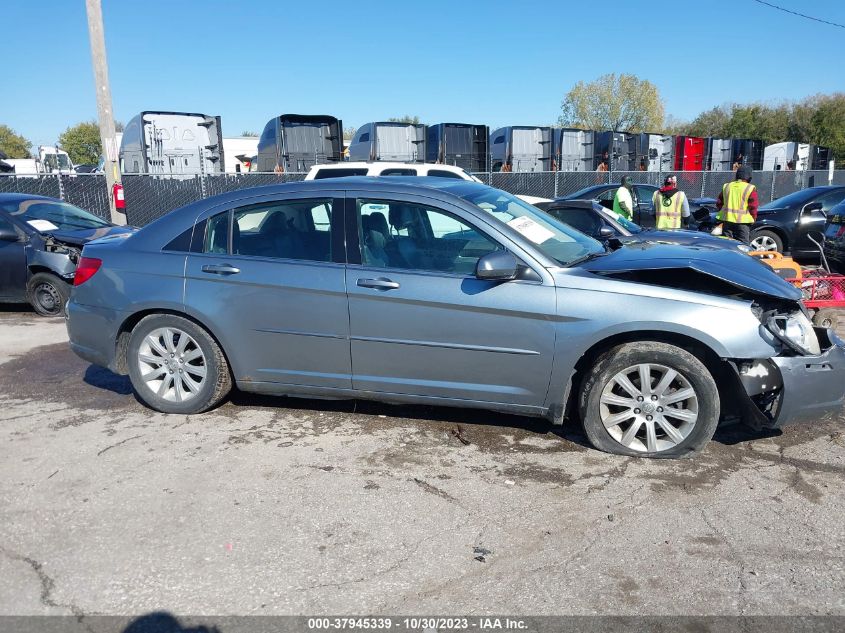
x=379 y=284
x=220 y=269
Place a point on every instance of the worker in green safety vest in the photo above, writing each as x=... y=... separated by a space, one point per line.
x=623 y=201
x=671 y=207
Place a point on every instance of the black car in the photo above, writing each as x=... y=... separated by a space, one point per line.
x=591 y=218
x=643 y=195
x=784 y=224
x=834 y=244
x=40 y=242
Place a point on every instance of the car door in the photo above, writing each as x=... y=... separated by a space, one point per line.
x=12 y=262
x=422 y=324
x=644 y=205
x=814 y=223
x=270 y=280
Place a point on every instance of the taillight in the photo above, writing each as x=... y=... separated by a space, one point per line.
x=85 y=269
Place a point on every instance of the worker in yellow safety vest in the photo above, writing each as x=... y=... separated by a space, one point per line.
x=737 y=206
x=623 y=201
x=671 y=207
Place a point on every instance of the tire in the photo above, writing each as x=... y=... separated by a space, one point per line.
x=764 y=240
x=631 y=434
x=47 y=294
x=830 y=318
x=191 y=382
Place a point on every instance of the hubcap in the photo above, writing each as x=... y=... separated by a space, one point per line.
x=649 y=408
x=764 y=243
x=172 y=365
x=47 y=297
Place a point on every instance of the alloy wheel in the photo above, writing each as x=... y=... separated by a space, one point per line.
x=649 y=407
x=172 y=364
x=763 y=243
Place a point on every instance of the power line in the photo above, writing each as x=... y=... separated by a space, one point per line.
x=801 y=15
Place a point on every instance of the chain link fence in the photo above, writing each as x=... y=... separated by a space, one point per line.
x=149 y=197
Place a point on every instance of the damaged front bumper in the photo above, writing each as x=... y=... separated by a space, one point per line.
x=786 y=389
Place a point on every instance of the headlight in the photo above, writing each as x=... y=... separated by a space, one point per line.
x=796 y=331
x=745 y=248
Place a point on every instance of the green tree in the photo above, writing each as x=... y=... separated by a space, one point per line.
x=82 y=142
x=405 y=119
x=249 y=133
x=13 y=144
x=828 y=123
x=118 y=126
x=614 y=102
x=348 y=133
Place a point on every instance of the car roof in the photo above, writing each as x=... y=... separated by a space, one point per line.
x=360 y=164
x=17 y=197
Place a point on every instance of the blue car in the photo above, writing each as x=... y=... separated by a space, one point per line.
x=440 y=291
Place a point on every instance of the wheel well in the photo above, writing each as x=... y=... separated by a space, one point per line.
x=125 y=332
x=35 y=269
x=714 y=363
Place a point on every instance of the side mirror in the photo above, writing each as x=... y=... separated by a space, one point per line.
x=701 y=214
x=497 y=266
x=813 y=206
x=8 y=234
x=605 y=233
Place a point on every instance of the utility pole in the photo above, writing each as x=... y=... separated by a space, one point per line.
x=105 y=114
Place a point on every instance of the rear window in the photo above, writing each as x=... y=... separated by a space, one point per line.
x=340 y=173
x=442 y=173
x=396 y=171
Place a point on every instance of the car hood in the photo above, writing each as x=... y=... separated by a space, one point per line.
x=687 y=238
x=727 y=265
x=83 y=236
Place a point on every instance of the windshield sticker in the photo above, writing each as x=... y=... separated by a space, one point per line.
x=42 y=225
x=530 y=229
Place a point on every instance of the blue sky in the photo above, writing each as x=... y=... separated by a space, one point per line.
x=496 y=62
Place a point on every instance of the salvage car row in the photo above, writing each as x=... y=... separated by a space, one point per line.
x=443 y=291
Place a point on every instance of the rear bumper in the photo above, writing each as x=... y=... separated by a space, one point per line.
x=93 y=333
x=812 y=385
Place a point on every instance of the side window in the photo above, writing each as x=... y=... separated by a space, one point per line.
x=442 y=173
x=6 y=225
x=643 y=195
x=285 y=229
x=415 y=237
x=396 y=171
x=364 y=138
x=607 y=195
x=217 y=234
x=498 y=140
x=831 y=199
x=583 y=220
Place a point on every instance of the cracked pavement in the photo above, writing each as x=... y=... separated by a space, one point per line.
x=284 y=506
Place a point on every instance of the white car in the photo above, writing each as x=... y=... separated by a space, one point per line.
x=384 y=168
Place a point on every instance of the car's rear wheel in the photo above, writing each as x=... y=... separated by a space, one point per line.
x=47 y=294
x=175 y=365
x=649 y=399
x=766 y=241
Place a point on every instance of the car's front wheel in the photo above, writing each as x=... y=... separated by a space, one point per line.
x=649 y=399
x=766 y=241
x=47 y=294
x=175 y=365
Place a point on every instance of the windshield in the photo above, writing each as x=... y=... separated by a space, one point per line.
x=45 y=215
x=559 y=241
x=631 y=227
x=799 y=197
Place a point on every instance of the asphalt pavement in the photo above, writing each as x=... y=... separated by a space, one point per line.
x=285 y=506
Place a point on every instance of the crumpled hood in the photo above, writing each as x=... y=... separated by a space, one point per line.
x=685 y=237
x=83 y=236
x=727 y=265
